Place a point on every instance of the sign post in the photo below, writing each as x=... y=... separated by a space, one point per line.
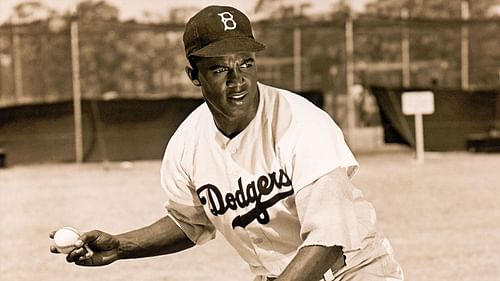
x=418 y=103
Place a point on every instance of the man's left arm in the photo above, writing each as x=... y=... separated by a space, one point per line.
x=311 y=263
x=328 y=223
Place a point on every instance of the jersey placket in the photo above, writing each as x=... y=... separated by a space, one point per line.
x=233 y=172
x=263 y=248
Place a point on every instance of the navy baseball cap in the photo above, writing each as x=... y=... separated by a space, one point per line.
x=217 y=31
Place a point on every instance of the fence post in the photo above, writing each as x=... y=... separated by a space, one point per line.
x=17 y=61
x=297 y=52
x=349 y=48
x=464 y=43
x=77 y=103
x=405 y=48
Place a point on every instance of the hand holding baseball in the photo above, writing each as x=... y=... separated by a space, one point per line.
x=66 y=239
x=93 y=248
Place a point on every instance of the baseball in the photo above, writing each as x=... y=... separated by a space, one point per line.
x=65 y=239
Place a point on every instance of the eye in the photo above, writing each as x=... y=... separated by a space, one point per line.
x=219 y=69
x=247 y=64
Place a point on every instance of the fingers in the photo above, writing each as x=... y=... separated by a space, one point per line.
x=75 y=255
x=79 y=243
x=99 y=240
x=85 y=262
x=54 y=250
x=94 y=248
x=83 y=253
x=94 y=260
x=90 y=253
x=79 y=251
x=98 y=259
x=91 y=236
x=79 y=254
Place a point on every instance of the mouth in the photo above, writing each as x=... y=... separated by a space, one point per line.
x=238 y=96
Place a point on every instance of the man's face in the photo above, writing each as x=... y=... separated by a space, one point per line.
x=229 y=86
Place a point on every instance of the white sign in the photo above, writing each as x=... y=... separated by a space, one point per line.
x=418 y=103
x=421 y=102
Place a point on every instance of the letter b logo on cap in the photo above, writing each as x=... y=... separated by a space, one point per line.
x=217 y=31
x=227 y=19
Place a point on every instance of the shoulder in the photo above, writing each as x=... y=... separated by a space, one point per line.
x=298 y=112
x=196 y=119
x=180 y=146
x=190 y=129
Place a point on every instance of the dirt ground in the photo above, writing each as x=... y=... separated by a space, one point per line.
x=442 y=217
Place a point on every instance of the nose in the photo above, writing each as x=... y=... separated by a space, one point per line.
x=234 y=78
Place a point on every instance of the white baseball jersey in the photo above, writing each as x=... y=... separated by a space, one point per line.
x=246 y=187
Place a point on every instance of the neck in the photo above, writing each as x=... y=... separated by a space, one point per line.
x=230 y=127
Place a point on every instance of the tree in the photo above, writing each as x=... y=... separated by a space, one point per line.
x=89 y=10
x=430 y=8
x=29 y=11
x=129 y=58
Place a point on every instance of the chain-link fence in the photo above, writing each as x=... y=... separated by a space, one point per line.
x=147 y=61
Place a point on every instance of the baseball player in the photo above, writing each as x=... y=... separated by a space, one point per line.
x=262 y=166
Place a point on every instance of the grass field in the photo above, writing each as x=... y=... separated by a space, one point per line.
x=443 y=218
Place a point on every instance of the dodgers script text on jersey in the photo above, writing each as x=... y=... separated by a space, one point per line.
x=253 y=193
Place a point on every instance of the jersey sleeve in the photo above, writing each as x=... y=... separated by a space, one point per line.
x=313 y=147
x=332 y=212
x=182 y=203
x=193 y=221
x=174 y=173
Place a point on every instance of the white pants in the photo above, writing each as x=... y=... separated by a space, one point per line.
x=376 y=262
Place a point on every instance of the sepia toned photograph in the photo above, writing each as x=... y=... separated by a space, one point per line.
x=264 y=140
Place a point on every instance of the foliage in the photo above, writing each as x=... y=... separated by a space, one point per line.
x=123 y=57
x=29 y=11
x=431 y=8
x=130 y=62
x=89 y=10
x=135 y=59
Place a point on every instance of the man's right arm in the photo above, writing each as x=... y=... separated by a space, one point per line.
x=162 y=237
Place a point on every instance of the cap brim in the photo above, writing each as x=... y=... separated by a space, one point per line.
x=228 y=46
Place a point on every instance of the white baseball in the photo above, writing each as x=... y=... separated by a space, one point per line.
x=65 y=239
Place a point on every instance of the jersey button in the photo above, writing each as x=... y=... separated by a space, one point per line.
x=233 y=150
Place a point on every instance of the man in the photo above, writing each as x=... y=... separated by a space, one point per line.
x=263 y=166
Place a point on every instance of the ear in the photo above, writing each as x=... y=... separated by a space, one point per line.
x=193 y=75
